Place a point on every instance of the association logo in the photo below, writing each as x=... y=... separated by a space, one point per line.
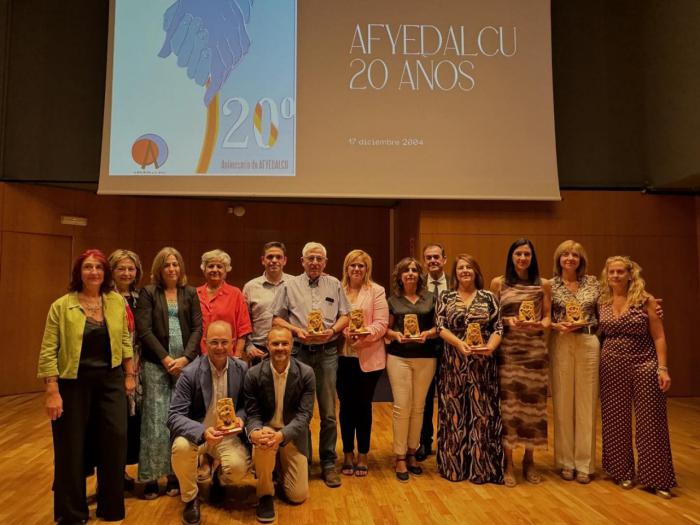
x=149 y=150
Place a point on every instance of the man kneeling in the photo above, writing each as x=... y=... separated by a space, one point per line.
x=279 y=402
x=192 y=419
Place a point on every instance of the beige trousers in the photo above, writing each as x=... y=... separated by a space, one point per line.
x=574 y=373
x=294 y=466
x=231 y=452
x=410 y=379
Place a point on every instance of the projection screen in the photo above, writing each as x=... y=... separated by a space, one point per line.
x=371 y=99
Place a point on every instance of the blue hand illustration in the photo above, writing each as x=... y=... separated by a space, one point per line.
x=208 y=37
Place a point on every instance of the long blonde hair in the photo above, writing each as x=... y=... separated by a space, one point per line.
x=636 y=293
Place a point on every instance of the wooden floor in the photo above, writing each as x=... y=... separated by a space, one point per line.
x=26 y=474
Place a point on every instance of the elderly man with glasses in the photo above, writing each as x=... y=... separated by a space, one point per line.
x=314 y=291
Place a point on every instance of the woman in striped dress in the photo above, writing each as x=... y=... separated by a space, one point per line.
x=522 y=358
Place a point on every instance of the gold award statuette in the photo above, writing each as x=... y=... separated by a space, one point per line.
x=314 y=325
x=411 y=329
x=357 y=322
x=226 y=416
x=474 y=335
x=573 y=312
x=527 y=312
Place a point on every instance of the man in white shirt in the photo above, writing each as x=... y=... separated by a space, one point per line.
x=279 y=402
x=192 y=419
x=436 y=282
x=259 y=294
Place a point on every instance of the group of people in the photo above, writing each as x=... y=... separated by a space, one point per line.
x=134 y=375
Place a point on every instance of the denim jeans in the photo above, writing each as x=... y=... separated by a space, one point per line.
x=325 y=365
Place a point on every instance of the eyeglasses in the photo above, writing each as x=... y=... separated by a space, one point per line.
x=314 y=258
x=215 y=343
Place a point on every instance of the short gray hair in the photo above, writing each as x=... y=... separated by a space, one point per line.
x=216 y=255
x=314 y=246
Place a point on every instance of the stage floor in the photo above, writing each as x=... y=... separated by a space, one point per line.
x=26 y=474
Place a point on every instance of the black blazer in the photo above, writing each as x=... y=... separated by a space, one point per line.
x=259 y=395
x=152 y=322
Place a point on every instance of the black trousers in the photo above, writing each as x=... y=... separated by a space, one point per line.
x=355 y=392
x=427 y=430
x=96 y=400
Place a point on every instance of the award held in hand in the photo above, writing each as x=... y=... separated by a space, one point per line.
x=574 y=314
x=226 y=417
x=411 y=329
x=357 y=322
x=473 y=336
x=526 y=312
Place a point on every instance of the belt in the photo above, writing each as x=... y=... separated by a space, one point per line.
x=589 y=329
x=316 y=348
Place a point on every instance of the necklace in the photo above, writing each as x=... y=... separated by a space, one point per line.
x=91 y=307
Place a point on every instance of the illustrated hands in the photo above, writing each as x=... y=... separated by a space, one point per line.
x=208 y=37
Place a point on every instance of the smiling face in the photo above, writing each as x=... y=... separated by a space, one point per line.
x=522 y=257
x=434 y=260
x=618 y=275
x=273 y=261
x=124 y=274
x=170 y=273
x=279 y=344
x=409 y=277
x=215 y=273
x=219 y=343
x=92 y=273
x=314 y=262
x=570 y=261
x=466 y=276
x=356 y=270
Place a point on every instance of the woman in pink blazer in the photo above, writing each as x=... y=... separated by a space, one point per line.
x=361 y=361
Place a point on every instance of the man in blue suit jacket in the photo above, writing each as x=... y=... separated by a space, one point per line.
x=192 y=418
x=279 y=400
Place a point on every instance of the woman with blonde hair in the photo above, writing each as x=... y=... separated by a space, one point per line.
x=575 y=356
x=362 y=360
x=169 y=326
x=633 y=377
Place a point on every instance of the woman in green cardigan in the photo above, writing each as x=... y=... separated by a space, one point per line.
x=86 y=363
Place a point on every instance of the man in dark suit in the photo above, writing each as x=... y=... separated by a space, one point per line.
x=279 y=402
x=193 y=416
x=436 y=282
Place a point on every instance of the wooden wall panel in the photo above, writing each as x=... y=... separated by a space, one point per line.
x=35 y=272
x=659 y=232
x=146 y=224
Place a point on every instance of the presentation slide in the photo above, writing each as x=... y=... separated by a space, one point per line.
x=388 y=99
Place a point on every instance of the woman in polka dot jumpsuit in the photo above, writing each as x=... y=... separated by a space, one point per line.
x=633 y=373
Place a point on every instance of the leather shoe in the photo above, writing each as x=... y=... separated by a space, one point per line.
x=190 y=515
x=331 y=477
x=217 y=492
x=265 y=513
x=423 y=452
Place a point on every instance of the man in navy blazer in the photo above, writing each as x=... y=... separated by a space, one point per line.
x=192 y=418
x=279 y=402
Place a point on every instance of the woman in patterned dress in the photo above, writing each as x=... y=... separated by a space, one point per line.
x=169 y=325
x=575 y=356
x=633 y=376
x=522 y=359
x=469 y=418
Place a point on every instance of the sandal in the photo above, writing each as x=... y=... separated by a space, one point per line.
x=509 y=480
x=347 y=469
x=401 y=476
x=567 y=474
x=150 y=490
x=416 y=470
x=531 y=474
x=172 y=488
x=361 y=471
